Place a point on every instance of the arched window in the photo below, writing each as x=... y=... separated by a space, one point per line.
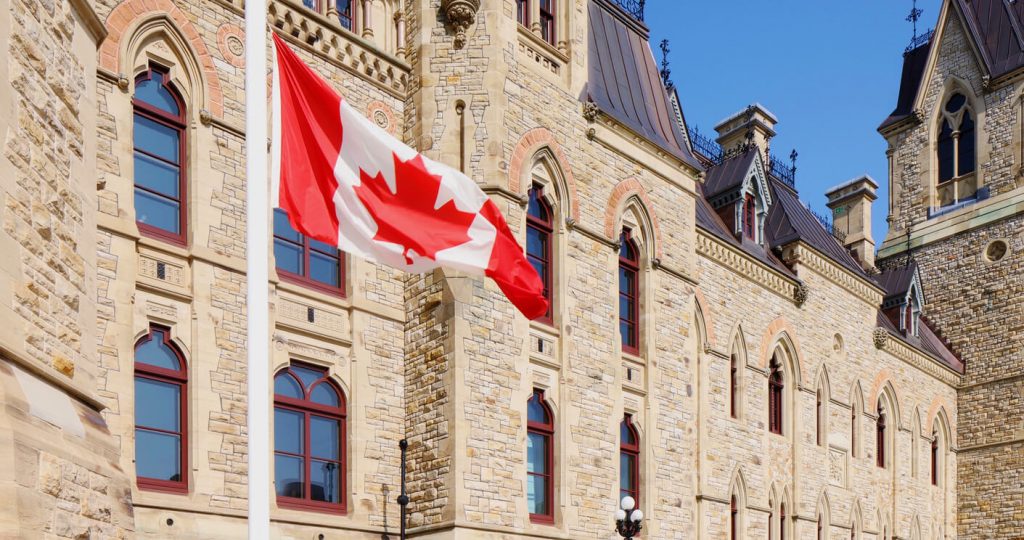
x=523 y=12
x=915 y=435
x=547 y=21
x=956 y=150
x=855 y=408
x=733 y=385
x=159 y=157
x=782 y=521
x=303 y=260
x=540 y=466
x=749 y=221
x=820 y=420
x=629 y=293
x=161 y=413
x=309 y=440
x=821 y=527
x=935 y=458
x=734 y=514
x=539 y=226
x=880 y=437
x=775 y=399
x=629 y=460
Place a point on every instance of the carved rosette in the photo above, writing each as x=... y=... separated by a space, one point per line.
x=800 y=294
x=460 y=14
x=590 y=111
x=879 y=336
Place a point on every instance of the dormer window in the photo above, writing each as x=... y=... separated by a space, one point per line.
x=749 y=217
x=911 y=312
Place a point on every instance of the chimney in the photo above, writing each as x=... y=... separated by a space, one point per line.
x=851 y=214
x=754 y=124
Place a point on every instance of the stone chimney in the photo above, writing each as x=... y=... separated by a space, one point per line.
x=851 y=215
x=754 y=124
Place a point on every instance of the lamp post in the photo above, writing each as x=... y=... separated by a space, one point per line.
x=627 y=519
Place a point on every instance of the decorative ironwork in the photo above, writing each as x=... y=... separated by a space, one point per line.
x=781 y=171
x=915 y=15
x=917 y=41
x=666 y=73
x=634 y=7
x=705 y=146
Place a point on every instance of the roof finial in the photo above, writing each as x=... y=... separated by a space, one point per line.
x=792 y=162
x=665 y=71
x=915 y=15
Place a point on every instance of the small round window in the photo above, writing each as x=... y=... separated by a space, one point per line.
x=996 y=250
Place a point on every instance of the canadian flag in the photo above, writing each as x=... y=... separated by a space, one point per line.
x=345 y=181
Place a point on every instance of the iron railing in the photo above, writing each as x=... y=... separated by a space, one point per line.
x=827 y=224
x=783 y=172
x=634 y=7
x=917 y=41
x=705 y=146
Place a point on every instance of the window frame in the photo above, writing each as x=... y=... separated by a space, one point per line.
x=631 y=265
x=820 y=418
x=308 y=409
x=935 y=459
x=180 y=125
x=548 y=20
x=548 y=432
x=632 y=450
x=546 y=228
x=734 y=514
x=776 y=397
x=951 y=142
x=880 y=438
x=167 y=376
x=307 y=249
x=733 y=386
x=749 y=224
x=523 y=12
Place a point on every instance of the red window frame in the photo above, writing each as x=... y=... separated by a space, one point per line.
x=819 y=419
x=547 y=21
x=544 y=226
x=346 y=17
x=304 y=279
x=853 y=429
x=178 y=123
x=733 y=384
x=880 y=438
x=782 y=521
x=308 y=408
x=748 y=216
x=935 y=459
x=178 y=378
x=546 y=430
x=734 y=512
x=630 y=449
x=629 y=263
x=776 y=385
x=523 y=12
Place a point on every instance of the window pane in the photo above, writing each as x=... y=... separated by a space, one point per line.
x=626 y=333
x=286 y=385
x=157 y=211
x=283 y=228
x=324 y=269
x=157 y=176
x=540 y=268
x=157 y=455
x=288 y=257
x=537 y=453
x=323 y=246
x=966 y=147
x=537 y=494
x=154 y=93
x=324 y=437
x=625 y=307
x=324 y=394
x=535 y=411
x=945 y=152
x=955 y=102
x=627 y=279
x=288 y=431
x=157 y=404
x=156 y=353
x=288 y=476
x=311 y=4
x=156 y=138
x=325 y=481
x=306 y=375
x=626 y=462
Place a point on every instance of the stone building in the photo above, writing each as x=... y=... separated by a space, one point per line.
x=713 y=349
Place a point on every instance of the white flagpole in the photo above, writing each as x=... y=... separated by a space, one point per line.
x=257 y=271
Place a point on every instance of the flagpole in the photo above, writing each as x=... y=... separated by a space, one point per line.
x=257 y=271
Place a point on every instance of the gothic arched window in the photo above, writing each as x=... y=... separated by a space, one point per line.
x=957 y=150
x=161 y=413
x=820 y=420
x=629 y=460
x=776 y=385
x=159 y=155
x=935 y=458
x=629 y=293
x=539 y=227
x=734 y=514
x=880 y=437
x=540 y=466
x=734 y=386
x=309 y=440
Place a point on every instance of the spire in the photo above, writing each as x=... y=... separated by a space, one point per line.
x=912 y=18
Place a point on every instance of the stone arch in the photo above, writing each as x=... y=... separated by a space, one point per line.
x=824 y=511
x=823 y=394
x=703 y=309
x=915 y=445
x=630 y=194
x=135 y=22
x=780 y=332
x=546 y=170
x=881 y=379
x=856 y=520
x=887 y=394
x=915 y=528
x=541 y=142
x=940 y=424
x=937 y=410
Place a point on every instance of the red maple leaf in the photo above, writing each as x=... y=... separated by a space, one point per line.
x=407 y=217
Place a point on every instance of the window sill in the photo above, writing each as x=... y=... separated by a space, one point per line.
x=543 y=54
x=980 y=195
x=291 y=283
x=162 y=486
x=311 y=506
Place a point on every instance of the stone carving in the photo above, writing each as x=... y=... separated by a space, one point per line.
x=836 y=467
x=590 y=111
x=460 y=14
x=880 y=336
x=800 y=294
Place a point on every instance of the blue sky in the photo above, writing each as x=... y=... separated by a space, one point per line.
x=829 y=71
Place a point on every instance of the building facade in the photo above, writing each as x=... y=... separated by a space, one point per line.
x=713 y=350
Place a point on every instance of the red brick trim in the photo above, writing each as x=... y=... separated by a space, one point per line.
x=933 y=412
x=229 y=38
x=532 y=142
x=876 y=389
x=617 y=202
x=771 y=337
x=127 y=16
x=383 y=116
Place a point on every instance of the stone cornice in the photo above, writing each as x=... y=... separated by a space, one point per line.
x=301 y=27
x=745 y=265
x=801 y=253
x=622 y=140
x=920 y=360
x=90 y=20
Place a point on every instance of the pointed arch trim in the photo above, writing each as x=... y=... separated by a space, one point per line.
x=532 y=142
x=705 y=311
x=617 y=203
x=778 y=331
x=131 y=15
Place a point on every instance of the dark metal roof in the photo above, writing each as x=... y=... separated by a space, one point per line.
x=914 y=62
x=895 y=281
x=710 y=221
x=995 y=26
x=729 y=174
x=624 y=82
x=928 y=342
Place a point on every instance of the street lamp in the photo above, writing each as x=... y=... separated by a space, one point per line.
x=627 y=520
